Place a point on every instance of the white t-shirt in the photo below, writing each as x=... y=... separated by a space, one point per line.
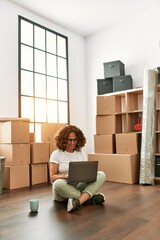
x=62 y=158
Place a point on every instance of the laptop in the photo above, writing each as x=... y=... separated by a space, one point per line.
x=82 y=171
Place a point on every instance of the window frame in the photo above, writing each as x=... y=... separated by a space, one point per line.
x=46 y=75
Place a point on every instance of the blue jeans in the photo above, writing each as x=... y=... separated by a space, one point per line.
x=62 y=190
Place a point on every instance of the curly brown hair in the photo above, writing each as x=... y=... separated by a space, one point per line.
x=61 y=138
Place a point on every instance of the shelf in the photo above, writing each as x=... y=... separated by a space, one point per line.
x=127 y=107
x=120 y=113
x=134 y=101
x=135 y=111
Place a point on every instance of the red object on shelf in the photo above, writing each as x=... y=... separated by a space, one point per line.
x=138 y=126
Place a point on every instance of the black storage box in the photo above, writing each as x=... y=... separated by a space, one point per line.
x=121 y=83
x=113 y=69
x=157 y=166
x=104 y=86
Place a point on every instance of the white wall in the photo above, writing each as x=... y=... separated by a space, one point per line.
x=9 y=64
x=136 y=42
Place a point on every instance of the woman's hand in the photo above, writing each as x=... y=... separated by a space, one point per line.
x=64 y=175
x=54 y=175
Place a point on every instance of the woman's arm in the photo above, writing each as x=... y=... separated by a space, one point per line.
x=54 y=172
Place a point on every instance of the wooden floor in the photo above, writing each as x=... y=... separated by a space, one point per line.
x=131 y=212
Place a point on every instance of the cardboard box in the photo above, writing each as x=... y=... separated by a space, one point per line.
x=32 y=137
x=14 y=119
x=16 y=177
x=39 y=152
x=109 y=124
x=16 y=154
x=106 y=105
x=104 y=143
x=48 y=131
x=128 y=143
x=123 y=168
x=39 y=173
x=14 y=132
x=105 y=124
x=52 y=147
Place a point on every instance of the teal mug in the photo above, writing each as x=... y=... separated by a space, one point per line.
x=34 y=205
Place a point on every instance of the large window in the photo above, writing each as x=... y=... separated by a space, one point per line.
x=43 y=74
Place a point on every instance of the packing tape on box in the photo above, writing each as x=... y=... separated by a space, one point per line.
x=147 y=158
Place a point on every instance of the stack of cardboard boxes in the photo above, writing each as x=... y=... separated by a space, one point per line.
x=48 y=131
x=26 y=161
x=40 y=153
x=39 y=162
x=14 y=145
x=116 y=149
